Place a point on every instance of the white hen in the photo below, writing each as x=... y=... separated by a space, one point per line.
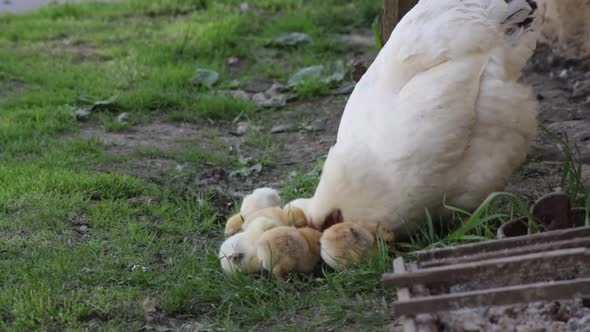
x=439 y=112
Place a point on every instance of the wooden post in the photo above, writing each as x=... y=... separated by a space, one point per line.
x=389 y=15
x=391 y=12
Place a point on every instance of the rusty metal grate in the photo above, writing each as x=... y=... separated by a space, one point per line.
x=547 y=266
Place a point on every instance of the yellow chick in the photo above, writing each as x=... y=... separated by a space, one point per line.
x=233 y=225
x=286 y=249
x=295 y=213
x=273 y=213
x=347 y=243
x=259 y=199
x=238 y=253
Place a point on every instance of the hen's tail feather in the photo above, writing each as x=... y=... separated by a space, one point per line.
x=521 y=15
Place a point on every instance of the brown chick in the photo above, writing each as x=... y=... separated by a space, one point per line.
x=295 y=213
x=233 y=225
x=274 y=213
x=347 y=243
x=286 y=249
x=293 y=216
x=380 y=232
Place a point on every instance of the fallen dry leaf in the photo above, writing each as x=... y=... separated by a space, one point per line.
x=151 y=309
x=291 y=39
x=205 y=77
x=358 y=70
x=247 y=171
x=95 y=104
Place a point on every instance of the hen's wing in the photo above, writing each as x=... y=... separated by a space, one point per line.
x=429 y=121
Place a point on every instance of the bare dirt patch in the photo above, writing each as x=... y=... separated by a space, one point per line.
x=165 y=136
x=293 y=150
x=156 y=137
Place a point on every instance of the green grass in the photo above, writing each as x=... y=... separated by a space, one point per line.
x=76 y=249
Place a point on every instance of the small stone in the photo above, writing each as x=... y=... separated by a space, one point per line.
x=551 y=308
x=275 y=88
x=258 y=86
x=263 y=100
x=563 y=73
x=557 y=327
x=583 y=311
x=192 y=327
x=282 y=128
x=471 y=327
x=241 y=129
x=510 y=312
x=585 y=321
x=506 y=322
x=244 y=6
x=562 y=315
x=573 y=324
x=581 y=89
x=84 y=228
x=240 y=94
x=523 y=328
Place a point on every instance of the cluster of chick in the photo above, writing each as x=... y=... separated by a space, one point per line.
x=264 y=236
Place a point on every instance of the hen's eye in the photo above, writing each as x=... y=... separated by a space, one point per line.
x=237 y=257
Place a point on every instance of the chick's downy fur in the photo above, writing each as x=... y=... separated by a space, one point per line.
x=286 y=249
x=238 y=253
x=296 y=213
x=233 y=225
x=347 y=243
x=272 y=213
x=260 y=198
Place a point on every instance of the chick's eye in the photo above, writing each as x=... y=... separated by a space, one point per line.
x=237 y=257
